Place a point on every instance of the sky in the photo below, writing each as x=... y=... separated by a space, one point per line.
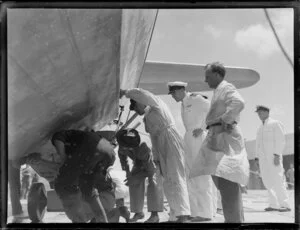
x=235 y=37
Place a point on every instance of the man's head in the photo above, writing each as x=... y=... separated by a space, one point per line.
x=177 y=90
x=214 y=74
x=137 y=107
x=263 y=112
x=128 y=138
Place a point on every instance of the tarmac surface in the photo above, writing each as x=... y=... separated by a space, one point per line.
x=254 y=203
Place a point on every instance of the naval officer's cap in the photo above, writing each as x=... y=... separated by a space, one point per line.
x=262 y=108
x=176 y=85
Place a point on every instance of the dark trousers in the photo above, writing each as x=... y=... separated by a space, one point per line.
x=231 y=198
x=15 y=188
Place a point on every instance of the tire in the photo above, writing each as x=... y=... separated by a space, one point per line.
x=37 y=202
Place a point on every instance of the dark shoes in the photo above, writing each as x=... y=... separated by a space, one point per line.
x=200 y=219
x=152 y=219
x=283 y=209
x=124 y=212
x=20 y=218
x=269 y=209
x=220 y=211
x=136 y=217
x=183 y=219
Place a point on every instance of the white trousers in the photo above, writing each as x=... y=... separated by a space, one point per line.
x=201 y=194
x=274 y=181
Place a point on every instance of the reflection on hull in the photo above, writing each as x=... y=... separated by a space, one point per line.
x=65 y=69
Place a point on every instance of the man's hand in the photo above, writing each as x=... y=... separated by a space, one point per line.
x=227 y=127
x=276 y=159
x=256 y=164
x=60 y=149
x=122 y=92
x=128 y=180
x=197 y=132
x=105 y=146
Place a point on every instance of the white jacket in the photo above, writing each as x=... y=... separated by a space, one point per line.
x=232 y=165
x=270 y=139
x=194 y=109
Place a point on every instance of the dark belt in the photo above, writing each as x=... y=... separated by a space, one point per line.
x=218 y=124
x=215 y=124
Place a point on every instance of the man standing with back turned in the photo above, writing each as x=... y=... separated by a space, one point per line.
x=223 y=153
x=270 y=141
x=194 y=108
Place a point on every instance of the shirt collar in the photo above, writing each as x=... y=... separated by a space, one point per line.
x=187 y=95
x=223 y=82
x=266 y=121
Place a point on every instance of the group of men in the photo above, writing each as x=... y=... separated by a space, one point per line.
x=212 y=154
x=187 y=171
x=213 y=145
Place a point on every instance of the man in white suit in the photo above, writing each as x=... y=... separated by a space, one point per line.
x=223 y=153
x=270 y=142
x=194 y=108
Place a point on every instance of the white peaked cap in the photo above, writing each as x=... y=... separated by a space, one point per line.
x=177 y=83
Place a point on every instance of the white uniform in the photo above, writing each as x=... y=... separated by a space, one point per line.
x=168 y=146
x=270 y=140
x=194 y=109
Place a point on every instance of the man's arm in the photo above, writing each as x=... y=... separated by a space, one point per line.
x=58 y=140
x=234 y=105
x=142 y=96
x=61 y=138
x=200 y=108
x=279 y=141
x=124 y=162
x=279 y=138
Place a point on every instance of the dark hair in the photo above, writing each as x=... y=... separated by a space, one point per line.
x=216 y=67
x=175 y=87
x=132 y=104
x=128 y=138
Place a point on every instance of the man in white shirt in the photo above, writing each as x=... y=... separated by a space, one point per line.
x=270 y=142
x=194 y=108
x=223 y=153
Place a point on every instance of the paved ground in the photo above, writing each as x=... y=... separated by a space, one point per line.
x=254 y=203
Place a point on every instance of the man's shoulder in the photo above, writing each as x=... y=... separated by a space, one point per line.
x=228 y=86
x=272 y=121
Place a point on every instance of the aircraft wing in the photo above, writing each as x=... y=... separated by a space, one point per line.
x=156 y=75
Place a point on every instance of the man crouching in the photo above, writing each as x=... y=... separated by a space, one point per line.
x=82 y=153
x=143 y=167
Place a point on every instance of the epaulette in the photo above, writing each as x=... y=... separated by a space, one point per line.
x=194 y=94
x=197 y=94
